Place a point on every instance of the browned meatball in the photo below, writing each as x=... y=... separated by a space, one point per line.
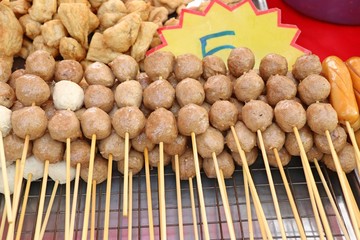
x=211 y=141
x=80 y=112
x=5 y=69
x=7 y=95
x=289 y=114
x=68 y=70
x=250 y=156
x=95 y=121
x=114 y=145
x=248 y=86
x=15 y=75
x=257 y=115
x=313 y=88
x=161 y=126
x=273 y=64
x=17 y=105
x=225 y=162
x=47 y=149
x=159 y=94
x=279 y=88
x=239 y=105
x=284 y=156
x=192 y=118
x=175 y=108
x=187 y=66
x=346 y=157
x=136 y=162
x=124 y=67
x=213 y=65
x=128 y=120
x=240 y=60
x=188 y=91
x=154 y=157
x=143 y=79
x=141 y=141
x=313 y=153
x=42 y=64
x=32 y=89
x=338 y=137
x=100 y=170
x=177 y=147
x=98 y=73
x=49 y=108
x=64 y=124
x=217 y=87
x=186 y=165
x=273 y=137
x=159 y=65
x=99 y=96
x=263 y=98
x=306 y=65
x=223 y=114
x=246 y=138
x=30 y=121
x=80 y=153
x=13 y=147
x=307 y=140
x=128 y=93
x=321 y=117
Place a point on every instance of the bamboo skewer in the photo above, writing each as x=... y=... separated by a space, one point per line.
x=248 y=207
x=23 y=208
x=352 y=198
x=126 y=175
x=223 y=196
x=148 y=194
x=93 y=207
x=272 y=186
x=355 y=145
x=108 y=196
x=162 y=193
x=199 y=186
x=130 y=205
x=2 y=225
x=332 y=201
x=193 y=209
x=75 y=196
x=290 y=196
x=178 y=197
x=67 y=191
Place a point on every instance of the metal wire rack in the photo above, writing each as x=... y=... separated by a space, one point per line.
x=215 y=212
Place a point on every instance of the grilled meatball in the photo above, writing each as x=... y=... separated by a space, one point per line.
x=223 y=114
x=321 y=117
x=124 y=67
x=7 y=95
x=186 y=165
x=30 y=121
x=68 y=95
x=273 y=64
x=57 y=170
x=159 y=94
x=284 y=156
x=192 y=118
x=246 y=138
x=240 y=60
x=5 y=121
x=226 y=164
x=159 y=65
x=346 y=157
x=70 y=70
x=213 y=65
x=80 y=153
x=154 y=157
x=257 y=115
x=338 y=137
x=313 y=153
x=47 y=149
x=161 y=126
x=251 y=156
x=49 y=108
x=98 y=73
x=32 y=89
x=141 y=141
x=306 y=65
x=187 y=66
x=5 y=69
x=64 y=124
x=273 y=137
x=248 y=86
x=136 y=162
x=289 y=114
x=217 y=87
x=313 y=88
x=99 y=96
x=100 y=170
x=114 y=145
x=143 y=79
x=188 y=91
x=128 y=93
x=15 y=75
x=239 y=105
x=211 y=141
x=307 y=140
x=128 y=120
x=95 y=121
x=175 y=108
x=13 y=147
x=177 y=147
x=42 y=64
x=279 y=88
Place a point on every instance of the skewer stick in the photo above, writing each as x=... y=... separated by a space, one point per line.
x=290 y=196
x=357 y=214
x=67 y=191
x=148 y=194
x=108 y=196
x=310 y=180
x=200 y=189
x=256 y=200
x=162 y=193
x=342 y=179
x=42 y=201
x=223 y=196
x=2 y=225
x=331 y=199
x=355 y=145
x=5 y=181
x=178 y=196
x=23 y=208
x=126 y=176
x=75 y=196
x=88 y=189
x=271 y=185
x=48 y=211
x=93 y=207
x=248 y=207
x=130 y=205
x=193 y=209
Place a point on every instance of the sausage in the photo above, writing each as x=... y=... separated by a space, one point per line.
x=42 y=64
x=100 y=74
x=223 y=114
x=338 y=137
x=70 y=70
x=257 y=115
x=187 y=66
x=273 y=64
x=279 y=88
x=64 y=124
x=321 y=117
x=247 y=138
x=99 y=96
x=7 y=95
x=141 y=141
x=159 y=94
x=124 y=67
x=273 y=137
x=128 y=93
x=342 y=96
x=79 y=153
x=136 y=162
x=306 y=137
x=251 y=157
x=176 y=147
x=13 y=147
x=95 y=121
x=284 y=156
x=306 y=65
x=68 y=95
x=128 y=120
x=225 y=162
x=5 y=121
x=186 y=165
x=47 y=149
x=240 y=60
x=346 y=157
x=192 y=118
x=212 y=66
x=353 y=64
x=217 y=87
x=248 y=86
x=211 y=141
x=289 y=114
x=154 y=157
x=100 y=170
x=32 y=89
x=189 y=90
x=159 y=64
x=313 y=88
